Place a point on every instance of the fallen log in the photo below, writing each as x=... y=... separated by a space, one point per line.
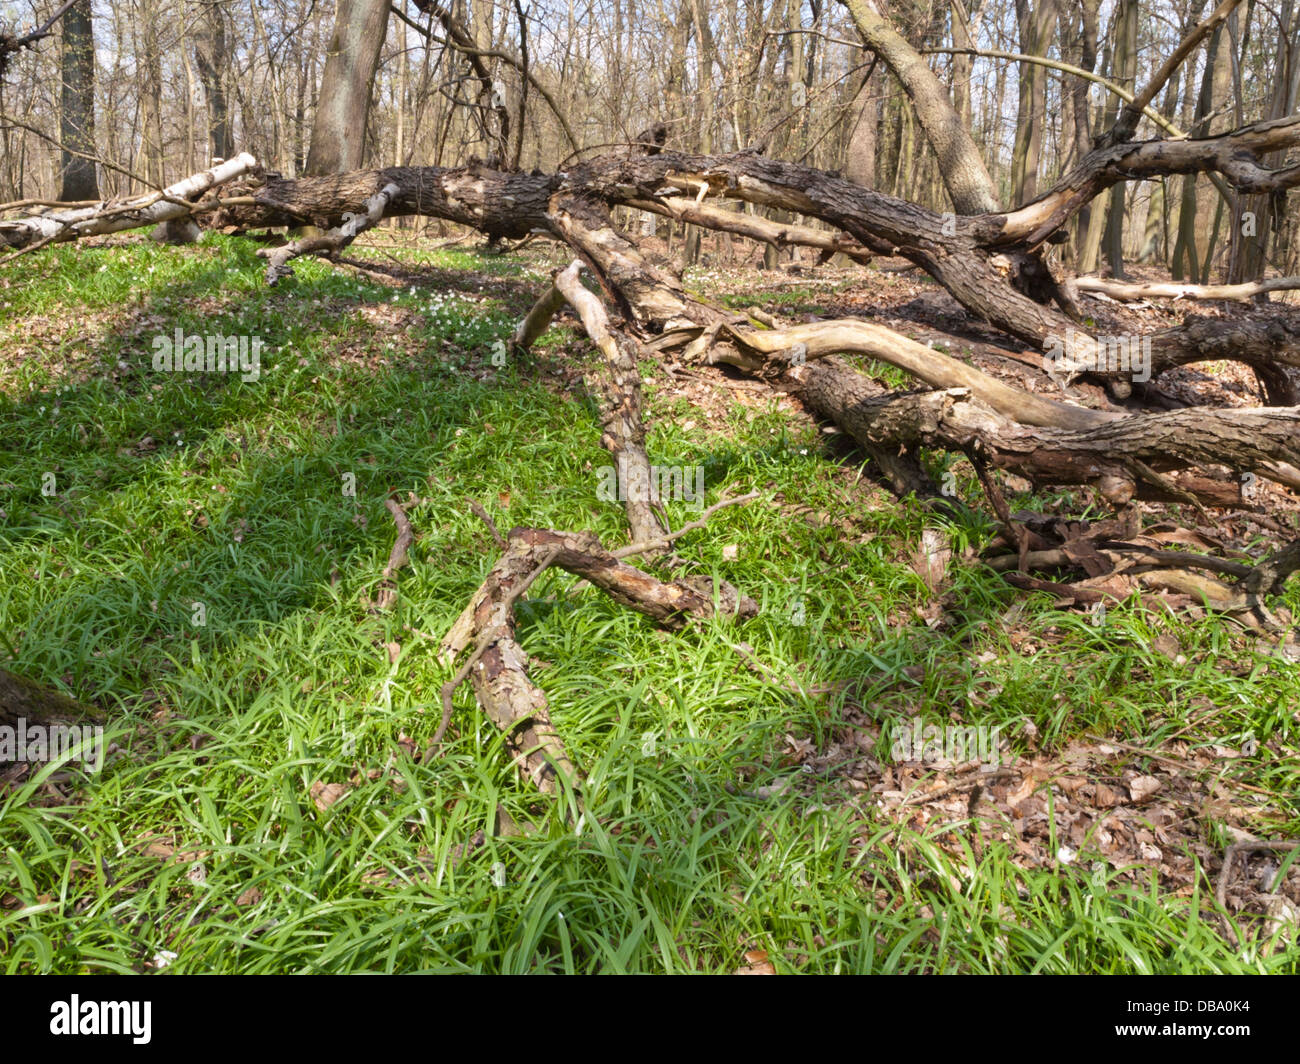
x=1150 y=290
x=329 y=243
x=988 y=262
x=1122 y=457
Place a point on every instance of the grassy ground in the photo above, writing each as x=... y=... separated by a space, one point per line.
x=197 y=567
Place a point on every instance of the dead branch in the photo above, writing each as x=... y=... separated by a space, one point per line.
x=1230 y=856
x=1269 y=576
x=663 y=541
x=172 y=202
x=538 y=319
x=1120 y=290
x=9 y=43
x=330 y=243
x=386 y=597
x=619 y=392
x=1101 y=454
x=498 y=666
x=804 y=343
x=754 y=227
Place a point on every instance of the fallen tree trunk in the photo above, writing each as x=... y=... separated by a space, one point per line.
x=332 y=242
x=988 y=262
x=1122 y=457
x=970 y=256
x=1128 y=292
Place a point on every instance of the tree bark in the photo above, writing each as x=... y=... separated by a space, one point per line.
x=343 y=105
x=77 y=115
x=964 y=173
x=212 y=57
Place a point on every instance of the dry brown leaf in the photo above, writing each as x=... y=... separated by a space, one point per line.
x=1107 y=797
x=1168 y=645
x=159 y=848
x=756 y=963
x=326 y=794
x=1140 y=787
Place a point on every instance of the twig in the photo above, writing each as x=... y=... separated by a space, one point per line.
x=1230 y=855
x=1145 y=472
x=916 y=797
x=387 y=595
x=690 y=526
x=477 y=510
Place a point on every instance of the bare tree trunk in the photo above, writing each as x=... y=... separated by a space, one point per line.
x=151 y=130
x=964 y=173
x=212 y=57
x=860 y=156
x=1257 y=218
x=1125 y=73
x=1037 y=26
x=1085 y=59
x=343 y=106
x=1186 y=261
x=77 y=118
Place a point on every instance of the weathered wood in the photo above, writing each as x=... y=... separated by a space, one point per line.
x=173 y=202
x=331 y=242
x=985 y=261
x=498 y=669
x=1150 y=290
x=1109 y=455
x=618 y=393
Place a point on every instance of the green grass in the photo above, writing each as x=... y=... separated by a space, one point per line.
x=173 y=492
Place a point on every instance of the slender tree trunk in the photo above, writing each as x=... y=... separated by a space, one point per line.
x=77 y=118
x=860 y=155
x=1037 y=26
x=343 y=105
x=1186 y=260
x=211 y=56
x=1086 y=59
x=1126 y=35
x=1257 y=218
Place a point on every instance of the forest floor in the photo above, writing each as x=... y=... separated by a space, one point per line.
x=201 y=563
